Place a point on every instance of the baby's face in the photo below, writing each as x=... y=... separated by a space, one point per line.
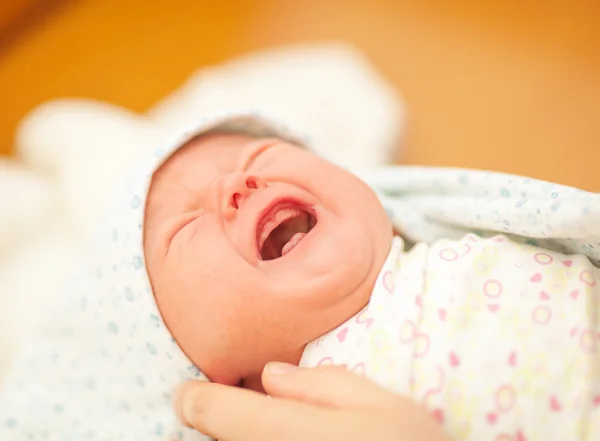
x=255 y=248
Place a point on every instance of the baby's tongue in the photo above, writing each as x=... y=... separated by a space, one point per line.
x=294 y=240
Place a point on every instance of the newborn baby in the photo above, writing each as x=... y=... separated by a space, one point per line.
x=259 y=246
x=236 y=246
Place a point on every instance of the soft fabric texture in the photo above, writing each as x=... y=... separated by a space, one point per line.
x=497 y=339
x=103 y=366
x=72 y=153
x=430 y=203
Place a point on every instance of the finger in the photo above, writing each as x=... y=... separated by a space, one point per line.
x=233 y=414
x=329 y=386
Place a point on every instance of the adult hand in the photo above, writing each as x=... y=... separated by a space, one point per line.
x=317 y=404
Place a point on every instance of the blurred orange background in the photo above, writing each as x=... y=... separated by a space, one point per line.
x=503 y=85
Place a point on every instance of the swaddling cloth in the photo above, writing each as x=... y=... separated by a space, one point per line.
x=499 y=340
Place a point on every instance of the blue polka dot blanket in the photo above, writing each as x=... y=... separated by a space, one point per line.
x=428 y=203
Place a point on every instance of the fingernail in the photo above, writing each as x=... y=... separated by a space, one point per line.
x=279 y=368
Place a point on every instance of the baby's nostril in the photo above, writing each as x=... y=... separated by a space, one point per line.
x=235 y=200
x=251 y=183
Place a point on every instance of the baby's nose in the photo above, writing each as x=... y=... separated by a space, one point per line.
x=237 y=188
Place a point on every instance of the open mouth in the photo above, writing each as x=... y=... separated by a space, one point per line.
x=282 y=229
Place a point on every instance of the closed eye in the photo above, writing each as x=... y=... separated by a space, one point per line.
x=256 y=154
x=178 y=227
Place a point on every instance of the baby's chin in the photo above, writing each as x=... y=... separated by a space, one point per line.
x=245 y=369
x=253 y=382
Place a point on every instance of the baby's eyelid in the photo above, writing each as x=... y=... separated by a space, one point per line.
x=256 y=154
x=182 y=226
x=253 y=164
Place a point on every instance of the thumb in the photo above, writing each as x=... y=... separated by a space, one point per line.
x=328 y=386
